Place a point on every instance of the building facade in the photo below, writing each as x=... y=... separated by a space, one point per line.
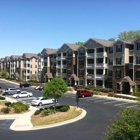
x=98 y=63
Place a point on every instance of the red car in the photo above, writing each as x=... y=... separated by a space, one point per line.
x=83 y=93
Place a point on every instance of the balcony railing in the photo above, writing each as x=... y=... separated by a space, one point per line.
x=90 y=65
x=131 y=52
x=101 y=54
x=90 y=54
x=64 y=57
x=90 y=75
x=100 y=76
x=64 y=66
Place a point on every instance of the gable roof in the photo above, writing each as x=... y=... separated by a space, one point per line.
x=29 y=55
x=74 y=47
x=49 y=51
x=15 y=56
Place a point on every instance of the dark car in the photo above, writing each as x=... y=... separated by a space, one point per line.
x=41 y=87
x=24 y=85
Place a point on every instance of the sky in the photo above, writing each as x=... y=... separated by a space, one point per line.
x=29 y=26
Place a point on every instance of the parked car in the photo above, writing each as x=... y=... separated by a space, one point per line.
x=10 y=91
x=41 y=87
x=22 y=94
x=83 y=93
x=24 y=85
x=37 y=87
x=42 y=101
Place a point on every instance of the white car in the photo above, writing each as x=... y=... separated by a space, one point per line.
x=22 y=94
x=37 y=87
x=42 y=101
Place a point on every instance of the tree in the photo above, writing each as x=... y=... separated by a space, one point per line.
x=111 y=39
x=129 y=35
x=79 y=43
x=55 y=88
x=4 y=74
x=126 y=126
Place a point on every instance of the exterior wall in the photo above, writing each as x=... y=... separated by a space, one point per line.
x=136 y=67
x=117 y=80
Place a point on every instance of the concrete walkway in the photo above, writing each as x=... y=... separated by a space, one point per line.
x=22 y=121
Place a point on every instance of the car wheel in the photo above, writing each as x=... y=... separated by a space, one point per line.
x=28 y=96
x=83 y=96
x=17 y=97
x=40 y=104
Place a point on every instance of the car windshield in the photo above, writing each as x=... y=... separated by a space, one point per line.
x=18 y=92
x=36 y=98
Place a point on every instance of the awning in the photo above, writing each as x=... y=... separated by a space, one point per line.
x=49 y=75
x=75 y=77
x=127 y=79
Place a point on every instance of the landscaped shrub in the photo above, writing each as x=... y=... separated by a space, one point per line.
x=64 y=108
x=5 y=110
x=46 y=112
x=95 y=93
x=37 y=112
x=2 y=98
x=19 y=107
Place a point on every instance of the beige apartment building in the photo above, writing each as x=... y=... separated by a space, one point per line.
x=98 y=62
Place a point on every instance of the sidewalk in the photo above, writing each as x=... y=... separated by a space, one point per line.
x=22 y=121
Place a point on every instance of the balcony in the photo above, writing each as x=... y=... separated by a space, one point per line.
x=100 y=76
x=64 y=66
x=27 y=74
x=131 y=52
x=102 y=54
x=58 y=58
x=89 y=76
x=27 y=62
x=90 y=54
x=58 y=66
x=90 y=65
x=64 y=57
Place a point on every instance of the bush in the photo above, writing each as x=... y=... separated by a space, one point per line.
x=5 y=110
x=95 y=93
x=2 y=98
x=19 y=107
x=64 y=108
x=46 y=112
x=37 y=112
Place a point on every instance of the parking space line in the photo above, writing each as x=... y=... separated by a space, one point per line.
x=112 y=102
x=131 y=106
x=121 y=104
x=94 y=98
x=86 y=98
x=100 y=100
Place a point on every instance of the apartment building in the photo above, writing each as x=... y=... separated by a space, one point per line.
x=46 y=64
x=1 y=64
x=30 y=66
x=14 y=63
x=98 y=62
x=66 y=63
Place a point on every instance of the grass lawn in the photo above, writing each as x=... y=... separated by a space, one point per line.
x=38 y=120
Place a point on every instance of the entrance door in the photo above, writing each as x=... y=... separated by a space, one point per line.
x=126 y=88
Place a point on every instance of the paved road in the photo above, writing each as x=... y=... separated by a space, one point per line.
x=92 y=127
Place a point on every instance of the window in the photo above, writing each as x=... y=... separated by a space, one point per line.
x=138 y=45
x=35 y=66
x=110 y=61
x=81 y=72
x=118 y=73
x=81 y=62
x=64 y=70
x=64 y=54
x=59 y=62
x=110 y=50
x=110 y=84
x=45 y=56
x=110 y=73
x=69 y=53
x=81 y=82
x=118 y=86
x=69 y=62
x=28 y=71
x=69 y=72
x=130 y=59
x=118 y=61
x=138 y=60
x=81 y=52
x=31 y=66
x=138 y=74
x=35 y=72
x=45 y=64
x=119 y=48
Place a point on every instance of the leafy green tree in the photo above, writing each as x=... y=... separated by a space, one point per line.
x=79 y=43
x=55 y=88
x=111 y=39
x=129 y=35
x=126 y=126
x=4 y=74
